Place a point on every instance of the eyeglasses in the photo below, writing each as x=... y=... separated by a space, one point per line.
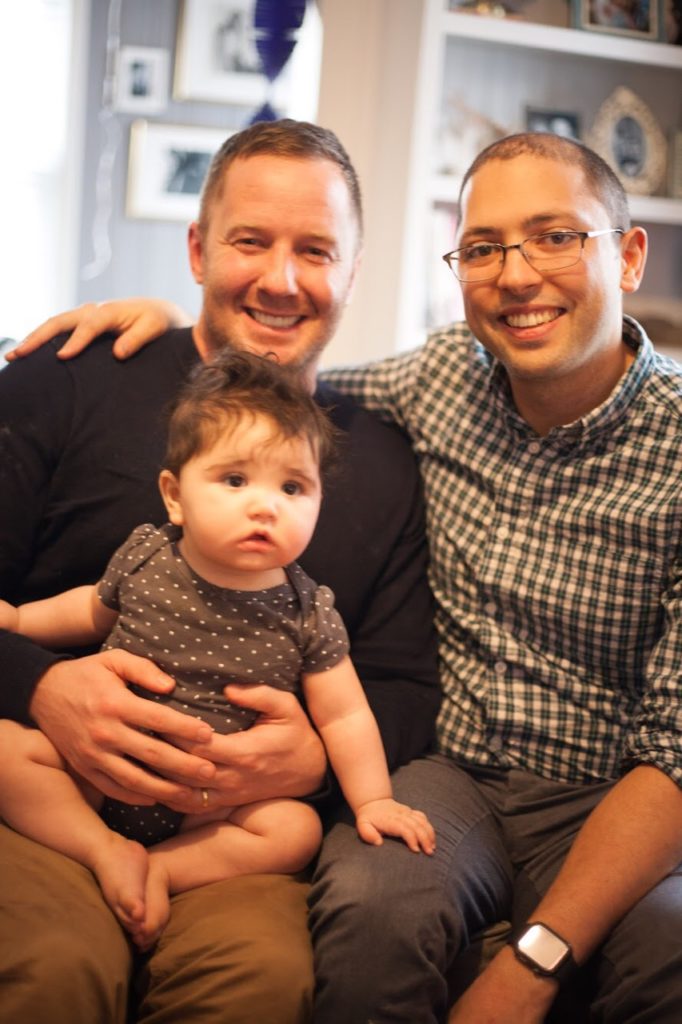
x=554 y=250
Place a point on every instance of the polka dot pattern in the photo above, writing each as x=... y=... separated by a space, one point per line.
x=206 y=637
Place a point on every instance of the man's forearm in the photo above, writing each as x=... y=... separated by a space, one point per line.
x=630 y=842
x=23 y=664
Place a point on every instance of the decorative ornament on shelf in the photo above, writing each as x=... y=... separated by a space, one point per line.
x=276 y=24
x=628 y=136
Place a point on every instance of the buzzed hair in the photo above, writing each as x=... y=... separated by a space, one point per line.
x=233 y=387
x=285 y=138
x=601 y=180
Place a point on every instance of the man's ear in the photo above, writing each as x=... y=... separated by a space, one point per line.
x=170 y=492
x=195 y=249
x=633 y=252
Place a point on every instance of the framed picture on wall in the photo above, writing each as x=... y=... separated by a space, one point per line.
x=216 y=57
x=141 y=80
x=637 y=18
x=167 y=164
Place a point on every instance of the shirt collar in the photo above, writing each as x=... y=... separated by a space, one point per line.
x=606 y=416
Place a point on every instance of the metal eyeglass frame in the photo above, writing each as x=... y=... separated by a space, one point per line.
x=452 y=258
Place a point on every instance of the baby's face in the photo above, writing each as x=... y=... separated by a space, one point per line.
x=248 y=505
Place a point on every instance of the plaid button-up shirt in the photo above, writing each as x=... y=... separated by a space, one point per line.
x=555 y=561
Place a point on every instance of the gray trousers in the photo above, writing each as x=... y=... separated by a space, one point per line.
x=387 y=924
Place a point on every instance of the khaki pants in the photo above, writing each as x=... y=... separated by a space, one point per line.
x=233 y=952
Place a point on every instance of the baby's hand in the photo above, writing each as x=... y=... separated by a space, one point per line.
x=9 y=616
x=388 y=817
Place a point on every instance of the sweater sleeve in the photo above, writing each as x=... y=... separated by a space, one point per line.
x=35 y=397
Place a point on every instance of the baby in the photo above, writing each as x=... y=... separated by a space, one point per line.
x=215 y=597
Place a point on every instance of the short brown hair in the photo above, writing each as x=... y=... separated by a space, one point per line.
x=286 y=138
x=220 y=393
x=598 y=175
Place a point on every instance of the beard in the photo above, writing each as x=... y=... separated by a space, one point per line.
x=303 y=364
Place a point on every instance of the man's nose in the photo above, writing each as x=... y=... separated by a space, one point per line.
x=279 y=274
x=517 y=273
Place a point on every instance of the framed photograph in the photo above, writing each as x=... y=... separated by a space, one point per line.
x=638 y=18
x=558 y=122
x=167 y=164
x=627 y=135
x=675 y=182
x=141 y=80
x=216 y=57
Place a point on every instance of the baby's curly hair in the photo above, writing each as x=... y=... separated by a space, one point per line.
x=219 y=394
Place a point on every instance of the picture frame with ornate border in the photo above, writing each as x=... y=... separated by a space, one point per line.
x=628 y=137
x=640 y=20
x=558 y=122
x=675 y=162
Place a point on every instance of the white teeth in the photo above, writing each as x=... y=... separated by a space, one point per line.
x=270 y=320
x=531 y=319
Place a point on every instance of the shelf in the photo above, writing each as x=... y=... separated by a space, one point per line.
x=648 y=209
x=531 y=36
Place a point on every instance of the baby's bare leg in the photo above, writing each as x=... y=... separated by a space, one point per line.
x=272 y=836
x=41 y=800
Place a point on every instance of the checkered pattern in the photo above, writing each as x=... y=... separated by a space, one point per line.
x=555 y=560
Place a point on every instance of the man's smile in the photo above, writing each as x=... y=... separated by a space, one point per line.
x=532 y=318
x=278 y=322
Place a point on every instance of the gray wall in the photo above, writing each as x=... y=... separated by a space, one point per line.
x=148 y=257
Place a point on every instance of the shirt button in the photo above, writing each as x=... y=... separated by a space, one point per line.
x=494 y=743
x=490 y=607
x=502 y=532
x=500 y=668
x=534 y=447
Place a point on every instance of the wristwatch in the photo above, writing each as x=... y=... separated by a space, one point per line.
x=545 y=952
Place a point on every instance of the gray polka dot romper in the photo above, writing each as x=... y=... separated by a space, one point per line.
x=205 y=637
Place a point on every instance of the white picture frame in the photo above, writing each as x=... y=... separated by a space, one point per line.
x=167 y=164
x=216 y=58
x=142 y=80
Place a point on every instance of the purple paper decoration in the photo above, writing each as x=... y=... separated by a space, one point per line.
x=276 y=24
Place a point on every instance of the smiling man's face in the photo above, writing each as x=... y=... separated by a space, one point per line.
x=545 y=326
x=277 y=259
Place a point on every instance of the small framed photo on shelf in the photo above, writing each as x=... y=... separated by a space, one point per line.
x=675 y=161
x=636 y=18
x=141 y=80
x=167 y=164
x=557 y=122
x=628 y=136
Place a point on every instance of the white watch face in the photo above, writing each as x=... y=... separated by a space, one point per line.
x=542 y=946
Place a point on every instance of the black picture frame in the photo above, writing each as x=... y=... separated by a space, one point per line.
x=557 y=122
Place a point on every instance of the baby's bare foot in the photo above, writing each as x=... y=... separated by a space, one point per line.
x=120 y=866
x=146 y=932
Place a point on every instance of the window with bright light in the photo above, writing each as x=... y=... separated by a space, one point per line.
x=36 y=254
